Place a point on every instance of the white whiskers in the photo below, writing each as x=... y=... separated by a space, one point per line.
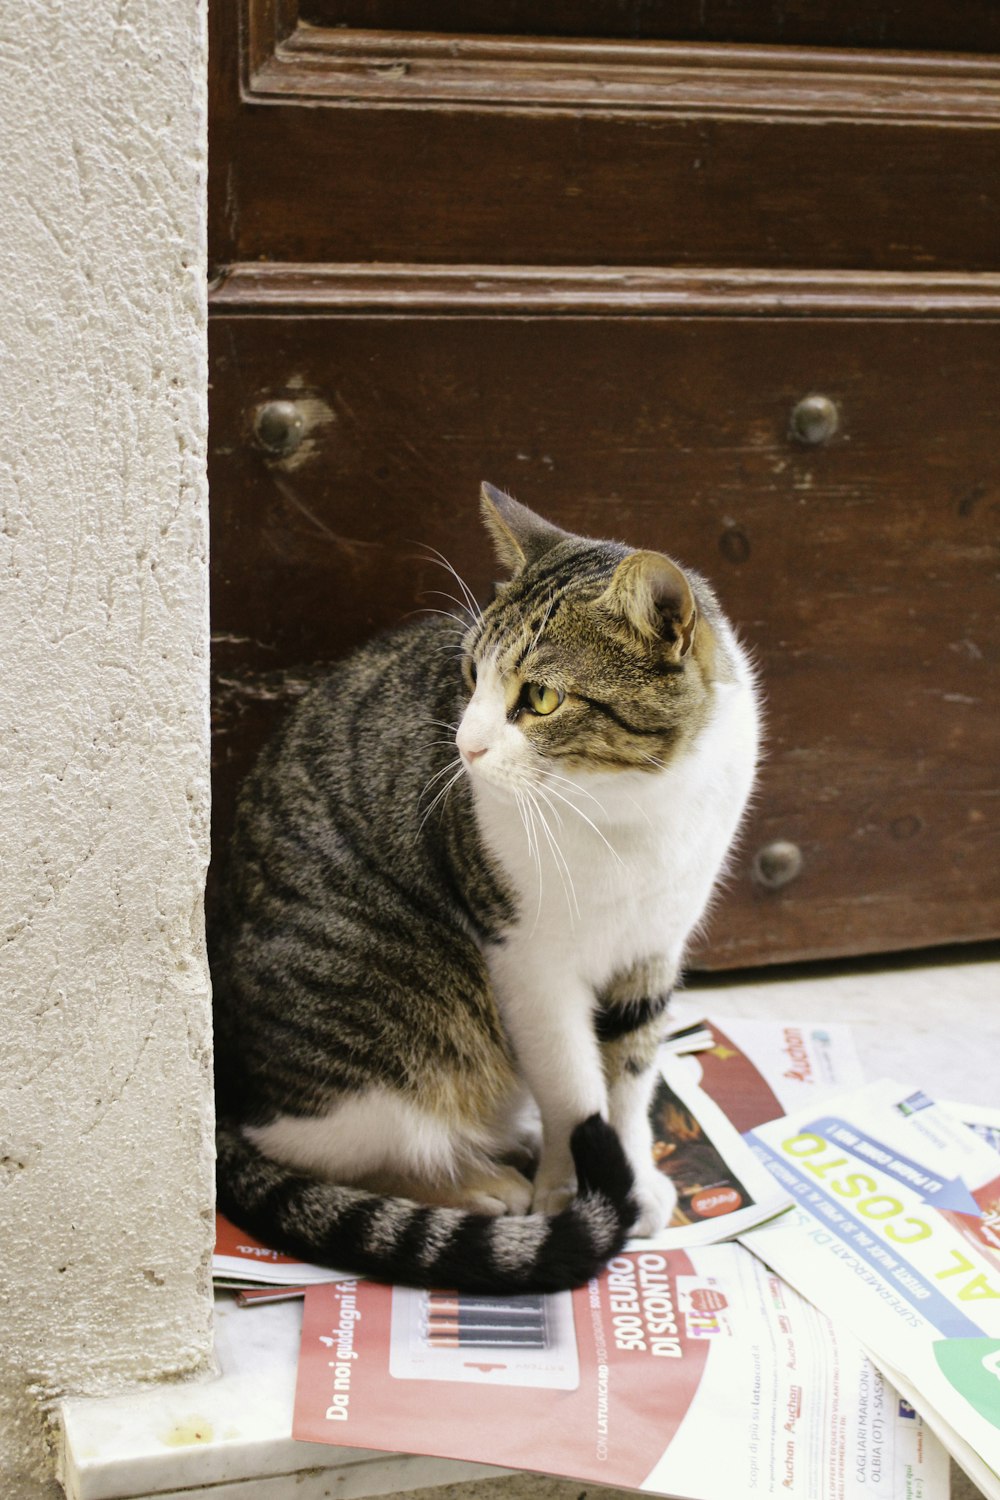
x=528 y=821
x=461 y=626
x=568 y=781
x=457 y=770
x=581 y=814
x=439 y=739
x=558 y=857
x=470 y=606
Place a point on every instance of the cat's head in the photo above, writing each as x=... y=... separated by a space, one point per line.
x=592 y=657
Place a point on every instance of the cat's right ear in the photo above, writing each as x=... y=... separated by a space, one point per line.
x=653 y=594
x=519 y=536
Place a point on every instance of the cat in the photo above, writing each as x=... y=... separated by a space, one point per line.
x=442 y=977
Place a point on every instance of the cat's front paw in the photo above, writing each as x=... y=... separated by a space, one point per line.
x=657 y=1198
x=555 y=1182
x=525 y=1148
x=552 y=1198
x=503 y=1191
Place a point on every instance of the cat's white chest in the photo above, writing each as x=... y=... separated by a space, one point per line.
x=623 y=868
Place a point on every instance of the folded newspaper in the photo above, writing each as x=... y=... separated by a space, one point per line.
x=895 y=1235
x=240 y=1261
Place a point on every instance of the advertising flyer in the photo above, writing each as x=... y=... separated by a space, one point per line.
x=739 y=1077
x=894 y=1236
x=695 y=1373
x=722 y=1188
x=755 y=1070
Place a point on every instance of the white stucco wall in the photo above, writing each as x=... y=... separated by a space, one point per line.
x=105 y=1169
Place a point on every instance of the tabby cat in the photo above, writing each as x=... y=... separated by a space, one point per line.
x=441 y=978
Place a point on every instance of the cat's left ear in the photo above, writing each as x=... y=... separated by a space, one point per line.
x=654 y=596
x=519 y=536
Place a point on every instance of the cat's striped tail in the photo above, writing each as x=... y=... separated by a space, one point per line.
x=398 y=1241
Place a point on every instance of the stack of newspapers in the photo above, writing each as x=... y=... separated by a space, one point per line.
x=820 y=1321
x=895 y=1234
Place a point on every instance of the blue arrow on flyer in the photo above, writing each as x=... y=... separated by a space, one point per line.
x=948 y=1193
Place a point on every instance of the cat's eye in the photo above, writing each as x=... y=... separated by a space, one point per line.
x=541 y=700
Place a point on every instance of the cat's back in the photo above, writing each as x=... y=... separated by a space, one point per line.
x=326 y=834
x=348 y=769
x=341 y=877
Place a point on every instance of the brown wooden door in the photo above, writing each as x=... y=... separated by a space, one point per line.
x=602 y=259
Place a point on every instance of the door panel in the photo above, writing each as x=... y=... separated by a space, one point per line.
x=338 y=145
x=964 y=26
x=861 y=571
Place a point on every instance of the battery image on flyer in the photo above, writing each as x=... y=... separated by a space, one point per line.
x=522 y=1341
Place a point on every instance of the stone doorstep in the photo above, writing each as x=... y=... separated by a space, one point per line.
x=229 y=1436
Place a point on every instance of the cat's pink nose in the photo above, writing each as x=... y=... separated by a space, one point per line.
x=472 y=744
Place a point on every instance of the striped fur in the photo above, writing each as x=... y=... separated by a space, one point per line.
x=396 y=1240
x=421 y=953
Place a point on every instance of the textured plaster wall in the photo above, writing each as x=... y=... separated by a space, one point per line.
x=105 y=1170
